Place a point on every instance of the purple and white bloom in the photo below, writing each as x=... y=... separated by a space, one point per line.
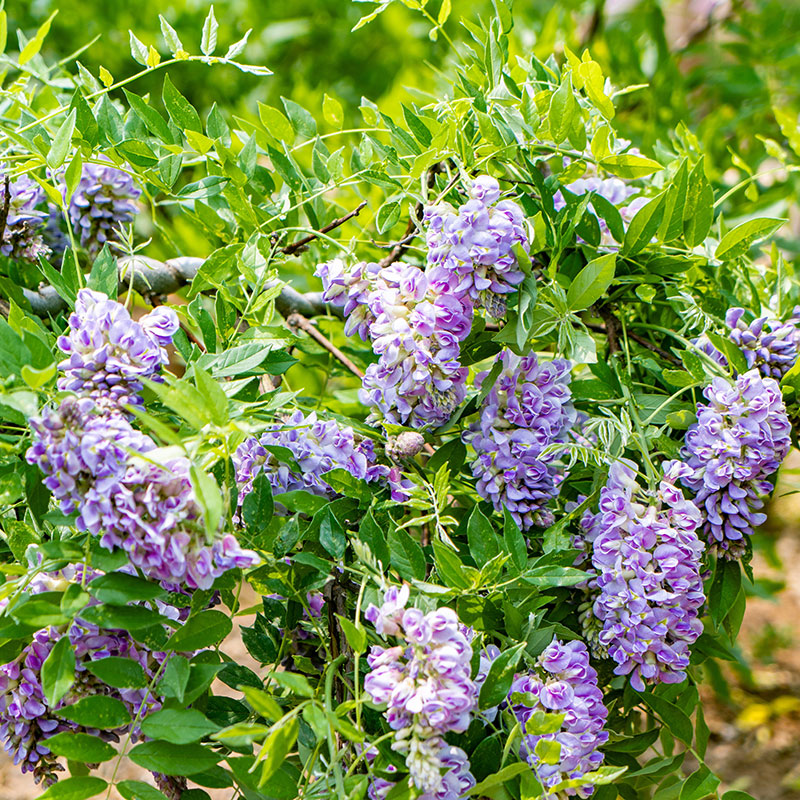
x=739 y=440
x=317 y=446
x=104 y=200
x=415 y=330
x=27 y=721
x=109 y=353
x=470 y=251
x=563 y=683
x=424 y=684
x=647 y=587
x=22 y=237
x=528 y=408
x=766 y=343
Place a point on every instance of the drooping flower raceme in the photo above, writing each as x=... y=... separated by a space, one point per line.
x=22 y=237
x=27 y=720
x=470 y=248
x=105 y=199
x=739 y=440
x=766 y=343
x=563 y=683
x=647 y=587
x=109 y=353
x=527 y=409
x=425 y=686
x=415 y=331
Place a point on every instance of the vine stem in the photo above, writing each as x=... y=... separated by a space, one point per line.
x=297 y=320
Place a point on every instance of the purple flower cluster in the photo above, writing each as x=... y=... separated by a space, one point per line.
x=739 y=440
x=100 y=467
x=647 y=586
x=105 y=199
x=415 y=330
x=564 y=683
x=26 y=719
x=109 y=353
x=317 y=446
x=425 y=685
x=527 y=409
x=767 y=343
x=470 y=248
x=22 y=237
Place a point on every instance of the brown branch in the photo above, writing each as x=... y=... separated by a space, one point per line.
x=299 y=321
x=640 y=340
x=6 y=206
x=289 y=249
x=612 y=328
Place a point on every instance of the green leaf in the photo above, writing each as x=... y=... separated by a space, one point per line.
x=630 y=166
x=276 y=747
x=591 y=282
x=121 y=673
x=216 y=399
x=173 y=759
x=500 y=677
x=276 y=123
x=483 y=544
x=730 y=350
x=406 y=556
x=129 y=618
x=103 y=277
x=205 y=629
x=81 y=747
x=737 y=242
x=176 y=678
x=210 y=497
x=120 y=589
x=331 y=533
x=671 y=715
x=62 y=142
x=594 y=86
x=452 y=572
x=58 y=671
x=258 y=506
x=644 y=225
x=79 y=788
x=548 y=751
x=294 y=682
x=137 y=790
x=698 y=215
x=388 y=216
x=301 y=119
x=35 y=44
x=97 y=711
x=154 y=122
x=699 y=784
x=208 y=41
x=178 y=726
x=332 y=111
x=514 y=541
x=180 y=110
x=355 y=633
x=563 y=108
x=262 y=703
x=675 y=205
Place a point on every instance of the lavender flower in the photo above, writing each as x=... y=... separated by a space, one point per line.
x=109 y=353
x=739 y=440
x=564 y=683
x=425 y=685
x=414 y=329
x=104 y=200
x=470 y=249
x=27 y=721
x=317 y=446
x=527 y=409
x=648 y=590
x=405 y=445
x=22 y=237
x=766 y=343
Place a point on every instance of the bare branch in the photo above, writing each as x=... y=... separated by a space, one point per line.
x=299 y=321
x=301 y=243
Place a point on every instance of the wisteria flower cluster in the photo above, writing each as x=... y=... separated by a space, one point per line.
x=417 y=319
x=767 y=344
x=27 y=720
x=528 y=408
x=104 y=470
x=739 y=440
x=418 y=379
x=22 y=236
x=564 y=683
x=470 y=248
x=425 y=686
x=647 y=590
x=104 y=200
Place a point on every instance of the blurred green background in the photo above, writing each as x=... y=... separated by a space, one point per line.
x=717 y=65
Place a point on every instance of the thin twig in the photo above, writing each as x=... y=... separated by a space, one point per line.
x=289 y=249
x=611 y=329
x=641 y=340
x=299 y=321
x=6 y=207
